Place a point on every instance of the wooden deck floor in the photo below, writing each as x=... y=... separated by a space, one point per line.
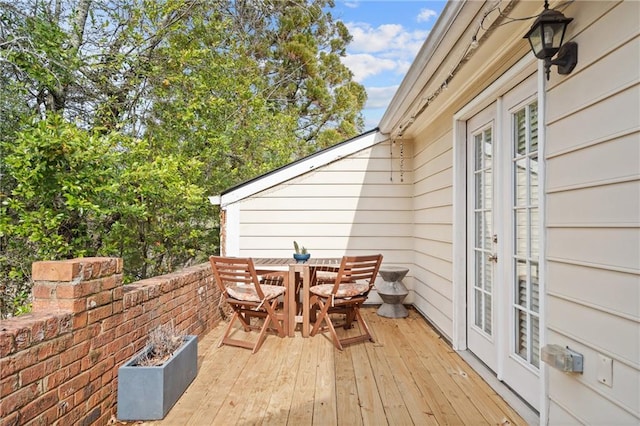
x=409 y=376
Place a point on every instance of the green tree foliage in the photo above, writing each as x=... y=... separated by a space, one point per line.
x=299 y=46
x=120 y=117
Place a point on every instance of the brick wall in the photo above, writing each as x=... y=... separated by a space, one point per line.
x=59 y=364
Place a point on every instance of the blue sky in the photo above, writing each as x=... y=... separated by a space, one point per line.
x=387 y=35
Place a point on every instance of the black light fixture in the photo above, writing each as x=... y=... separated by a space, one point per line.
x=546 y=36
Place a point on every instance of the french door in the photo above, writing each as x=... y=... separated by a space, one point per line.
x=503 y=239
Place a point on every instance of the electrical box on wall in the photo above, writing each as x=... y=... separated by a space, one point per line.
x=563 y=358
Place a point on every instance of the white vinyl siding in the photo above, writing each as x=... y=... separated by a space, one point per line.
x=593 y=217
x=433 y=217
x=356 y=205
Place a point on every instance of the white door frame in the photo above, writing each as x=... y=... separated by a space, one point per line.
x=523 y=68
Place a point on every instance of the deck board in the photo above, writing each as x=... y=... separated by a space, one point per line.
x=410 y=375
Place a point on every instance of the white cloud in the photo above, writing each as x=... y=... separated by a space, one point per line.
x=385 y=38
x=386 y=48
x=379 y=97
x=364 y=65
x=426 y=14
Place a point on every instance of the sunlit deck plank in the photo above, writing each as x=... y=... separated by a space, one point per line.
x=303 y=397
x=277 y=412
x=409 y=376
x=417 y=406
x=370 y=402
x=324 y=405
x=346 y=389
x=420 y=368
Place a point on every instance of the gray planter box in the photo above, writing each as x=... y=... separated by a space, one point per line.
x=148 y=393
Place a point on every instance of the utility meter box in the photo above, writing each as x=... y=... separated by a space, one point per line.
x=563 y=358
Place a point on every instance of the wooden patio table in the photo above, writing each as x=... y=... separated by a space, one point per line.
x=295 y=269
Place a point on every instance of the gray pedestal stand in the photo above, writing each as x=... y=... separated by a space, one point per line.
x=392 y=292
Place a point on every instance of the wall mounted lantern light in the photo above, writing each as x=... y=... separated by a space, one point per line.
x=546 y=36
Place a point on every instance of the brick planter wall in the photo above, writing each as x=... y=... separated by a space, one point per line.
x=59 y=364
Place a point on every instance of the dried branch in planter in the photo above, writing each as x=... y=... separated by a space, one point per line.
x=163 y=342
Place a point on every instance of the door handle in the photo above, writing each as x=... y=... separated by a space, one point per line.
x=493 y=258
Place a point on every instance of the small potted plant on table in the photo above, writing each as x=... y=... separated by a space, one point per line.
x=301 y=254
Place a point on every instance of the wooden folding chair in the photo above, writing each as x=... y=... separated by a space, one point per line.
x=353 y=281
x=239 y=284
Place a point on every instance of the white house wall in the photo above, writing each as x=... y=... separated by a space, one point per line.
x=593 y=216
x=360 y=204
x=433 y=216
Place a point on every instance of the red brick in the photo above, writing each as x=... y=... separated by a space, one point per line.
x=65 y=270
x=12 y=419
x=22 y=338
x=108 y=376
x=105 y=419
x=112 y=322
x=38 y=371
x=64 y=407
x=43 y=290
x=77 y=290
x=9 y=385
x=104 y=338
x=111 y=282
x=72 y=416
x=47 y=349
x=101 y=368
x=48 y=417
x=117 y=345
x=99 y=299
x=92 y=416
x=124 y=328
x=7 y=344
x=62 y=375
x=80 y=320
x=14 y=363
x=74 y=385
x=18 y=399
x=118 y=293
x=97 y=314
x=66 y=323
x=68 y=305
x=74 y=353
x=38 y=331
x=95 y=398
x=52 y=327
x=39 y=405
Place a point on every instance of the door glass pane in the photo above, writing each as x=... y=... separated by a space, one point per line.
x=479 y=305
x=521 y=228
x=535 y=291
x=520 y=132
x=487 y=314
x=521 y=182
x=522 y=334
x=533 y=127
x=535 y=231
x=535 y=347
x=533 y=180
x=487 y=190
x=526 y=231
x=483 y=214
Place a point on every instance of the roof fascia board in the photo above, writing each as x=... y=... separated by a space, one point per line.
x=299 y=168
x=422 y=70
